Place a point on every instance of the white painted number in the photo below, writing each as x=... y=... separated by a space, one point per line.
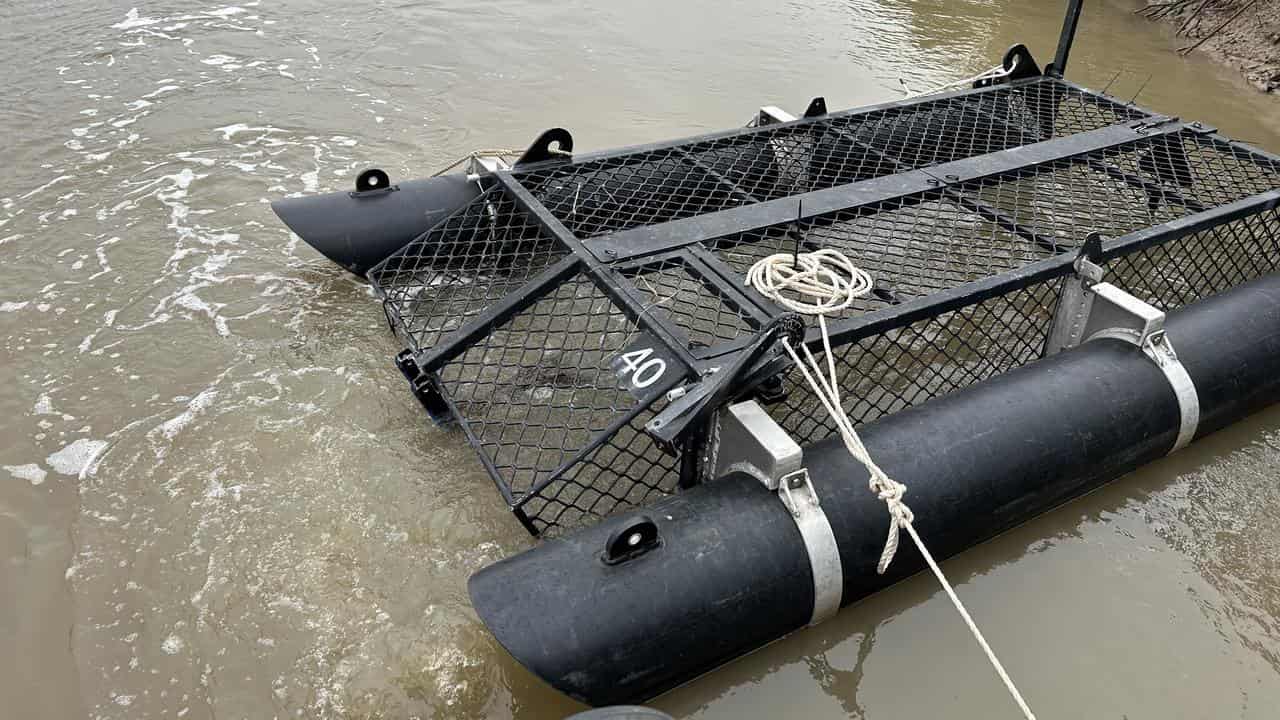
x=644 y=372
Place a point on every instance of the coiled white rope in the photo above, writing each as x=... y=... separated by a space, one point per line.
x=994 y=73
x=826 y=276
x=817 y=276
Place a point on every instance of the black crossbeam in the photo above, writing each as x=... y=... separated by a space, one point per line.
x=987 y=212
x=609 y=282
x=457 y=342
x=665 y=236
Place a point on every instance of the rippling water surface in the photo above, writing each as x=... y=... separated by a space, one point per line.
x=218 y=500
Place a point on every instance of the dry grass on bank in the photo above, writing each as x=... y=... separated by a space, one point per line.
x=1242 y=33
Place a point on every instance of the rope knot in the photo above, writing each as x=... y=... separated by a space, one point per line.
x=900 y=516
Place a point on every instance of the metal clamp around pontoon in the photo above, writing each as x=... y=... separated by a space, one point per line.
x=1094 y=310
x=762 y=449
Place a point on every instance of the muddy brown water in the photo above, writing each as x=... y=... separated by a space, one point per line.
x=218 y=500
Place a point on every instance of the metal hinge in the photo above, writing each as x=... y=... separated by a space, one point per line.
x=1067 y=327
x=1200 y=128
x=1155 y=122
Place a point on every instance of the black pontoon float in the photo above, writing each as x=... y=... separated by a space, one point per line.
x=583 y=319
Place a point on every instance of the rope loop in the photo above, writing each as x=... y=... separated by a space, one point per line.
x=994 y=73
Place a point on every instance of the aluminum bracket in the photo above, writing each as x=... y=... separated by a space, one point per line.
x=1100 y=310
x=480 y=165
x=1074 y=306
x=758 y=445
x=771 y=114
x=762 y=449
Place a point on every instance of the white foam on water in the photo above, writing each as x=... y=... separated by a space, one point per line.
x=46 y=186
x=43 y=406
x=227 y=11
x=13 y=306
x=172 y=645
x=30 y=472
x=230 y=131
x=133 y=20
x=161 y=90
x=78 y=458
x=197 y=405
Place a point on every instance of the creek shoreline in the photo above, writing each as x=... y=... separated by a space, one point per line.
x=1242 y=34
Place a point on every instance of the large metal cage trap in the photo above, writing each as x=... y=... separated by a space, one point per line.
x=578 y=298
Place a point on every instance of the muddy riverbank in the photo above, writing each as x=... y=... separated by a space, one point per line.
x=1243 y=34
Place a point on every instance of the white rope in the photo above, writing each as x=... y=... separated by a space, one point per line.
x=495 y=152
x=994 y=73
x=815 y=275
x=826 y=276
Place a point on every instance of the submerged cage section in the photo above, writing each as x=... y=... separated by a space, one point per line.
x=552 y=316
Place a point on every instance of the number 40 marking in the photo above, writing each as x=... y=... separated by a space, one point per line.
x=644 y=370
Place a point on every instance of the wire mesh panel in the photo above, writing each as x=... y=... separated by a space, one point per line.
x=484 y=251
x=654 y=186
x=538 y=391
x=917 y=136
x=627 y=471
x=630 y=191
x=670 y=289
x=1125 y=188
x=891 y=371
x=1181 y=271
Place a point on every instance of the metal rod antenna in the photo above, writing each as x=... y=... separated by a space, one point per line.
x=1068 y=36
x=795 y=255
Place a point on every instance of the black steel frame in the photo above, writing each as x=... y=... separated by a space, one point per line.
x=608 y=258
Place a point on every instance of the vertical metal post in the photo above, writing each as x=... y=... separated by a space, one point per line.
x=1068 y=36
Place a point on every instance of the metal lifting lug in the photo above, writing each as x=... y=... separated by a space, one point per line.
x=817 y=107
x=553 y=144
x=373 y=181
